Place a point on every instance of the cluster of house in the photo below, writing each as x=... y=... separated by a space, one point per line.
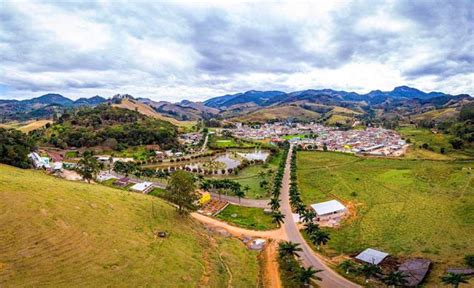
x=43 y=162
x=372 y=141
x=192 y=138
x=125 y=182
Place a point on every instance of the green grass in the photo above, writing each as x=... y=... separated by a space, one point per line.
x=405 y=207
x=157 y=192
x=289 y=137
x=63 y=234
x=436 y=141
x=250 y=218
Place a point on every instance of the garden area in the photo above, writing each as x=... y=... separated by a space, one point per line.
x=408 y=208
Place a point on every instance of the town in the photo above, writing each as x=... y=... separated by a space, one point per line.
x=370 y=141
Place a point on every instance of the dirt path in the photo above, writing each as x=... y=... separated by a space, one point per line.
x=278 y=234
x=270 y=269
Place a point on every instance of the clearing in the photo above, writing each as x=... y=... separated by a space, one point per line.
x=418 y=208
x=61 y=233
x=246 y=217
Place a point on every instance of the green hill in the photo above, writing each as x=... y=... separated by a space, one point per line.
x=60 y=233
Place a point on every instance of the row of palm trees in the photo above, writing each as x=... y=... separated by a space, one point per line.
x=297 y=274
x=274 y=203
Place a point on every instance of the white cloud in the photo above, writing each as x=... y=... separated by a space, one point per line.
x=177 y=50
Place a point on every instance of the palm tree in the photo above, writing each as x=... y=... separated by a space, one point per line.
x=319 y=237
x=274 y=203
x=347 y=265
x=278 y=217
x=288 y=248
x=306 y=274
x=454 y=279
x=308 y=216
x=246 y=189
x=311 y=227
x=395 y=278
x=239 y=193
x=370 y=270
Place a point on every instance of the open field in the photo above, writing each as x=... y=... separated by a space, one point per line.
x=60 y=233
x=246 y=217
x=26 y=127
x=410 y=208
x=435 y=141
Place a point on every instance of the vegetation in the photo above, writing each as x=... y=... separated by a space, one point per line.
x=292 y=273
x=274 y=203
x=15 y=147
x=107 y=126
x=399 y=206
x=181 y=191
x=247 y=217
x=63 y=233
x=454 y=279
x=88 y=166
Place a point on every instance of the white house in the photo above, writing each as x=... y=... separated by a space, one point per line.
x=38 y=161
x=329 y=210
x=371 y=256
x=143 y=187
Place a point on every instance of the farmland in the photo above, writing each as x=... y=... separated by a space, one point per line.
x=405 y=207
x=61 y=233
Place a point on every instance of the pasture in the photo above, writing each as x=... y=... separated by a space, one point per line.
x=408 y=208
x=247 y=217
x=61 y=234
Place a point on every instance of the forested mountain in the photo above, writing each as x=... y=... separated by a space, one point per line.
x=108 y=126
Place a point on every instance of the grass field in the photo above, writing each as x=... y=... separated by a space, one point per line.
x=405 y=207
x=66 y=234
x=26 y=127
x=419 y=136
x=246 y=217
x=280 y=112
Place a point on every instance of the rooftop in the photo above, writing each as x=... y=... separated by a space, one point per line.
x=328 y=207
x=371 y=256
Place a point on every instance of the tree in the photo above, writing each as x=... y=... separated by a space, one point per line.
x=308 y=216
x=369 y=270
x=288 y=248
x=240 y=193
x=469 y=260
x=15 y=147
x=347 y=265
x=311 y=227
x=454 y=279
x=88 y=166
x=325 y=147
x=181 y=191
x=274 y=203
x=456 y=143
x=306 y=274
x=395 y=278
x=319 y=238
x=278 y=217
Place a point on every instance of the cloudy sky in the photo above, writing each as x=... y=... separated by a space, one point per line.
x=177 y=50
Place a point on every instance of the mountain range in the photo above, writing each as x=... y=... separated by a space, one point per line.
x=254 y=105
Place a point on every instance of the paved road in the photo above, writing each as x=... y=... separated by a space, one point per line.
x=309 y=258
x=204 y=145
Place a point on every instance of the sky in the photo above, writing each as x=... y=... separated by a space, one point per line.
x=170 y=50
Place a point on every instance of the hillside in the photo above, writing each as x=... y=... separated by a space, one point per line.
x=278 y=113
x=145 y=109
x=66 y=234
x=107 y=125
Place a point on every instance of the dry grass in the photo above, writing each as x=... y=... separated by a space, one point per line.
x=26 y=127
x=280 y=112
x=66 y=234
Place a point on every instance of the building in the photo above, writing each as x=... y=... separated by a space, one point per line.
x=122 y=182
x=329 y=210
x=143 y=187
x=371 y=256
x=415 y=271
x=38 y=161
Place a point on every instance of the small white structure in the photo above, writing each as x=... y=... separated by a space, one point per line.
x=104 y=176
x=57 y=166
x=329 y=210
x=38 y=161
x=143 y=187
x=257 y=244
x=371 y=256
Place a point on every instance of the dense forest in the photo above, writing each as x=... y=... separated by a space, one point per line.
x=108 y=126
x=14 y=147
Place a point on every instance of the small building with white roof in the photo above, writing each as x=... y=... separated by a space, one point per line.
x=371 y=256
x=143 y=187
x=329 y=210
